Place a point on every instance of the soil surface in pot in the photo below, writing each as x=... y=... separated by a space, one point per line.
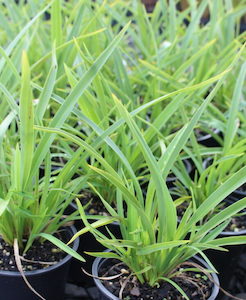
x=237 y=224
x=93 y=205
x=236 y=287
x=39 y=256
x=197 y=286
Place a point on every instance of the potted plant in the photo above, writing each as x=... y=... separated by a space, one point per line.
x=155 y=248
x=130 y=164
x=149 y=224
x=32 y=208
x=221 y=162
x=32 y=227
x=212 y=172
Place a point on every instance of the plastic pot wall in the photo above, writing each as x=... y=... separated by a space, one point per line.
x=48 y=282
x=104 y=294
x=225 y=262
x=208 y=140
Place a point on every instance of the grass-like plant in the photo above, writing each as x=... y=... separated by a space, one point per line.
x=138 y=72
x=223 y=161
x=31 y=207
x=153 y=242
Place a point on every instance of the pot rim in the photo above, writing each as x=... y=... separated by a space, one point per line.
x=208 y=136
x=239 y=192
x=233 y=233
x=73 y=231
x=231 y=200
x=99 y=260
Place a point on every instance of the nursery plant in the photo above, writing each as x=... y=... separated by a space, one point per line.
x=31 y=209
x=163 y=65
x=223 y=161
x=32 y=149
x=154 y=244
x=105 y=148
x=155 y=130
x=134 y=80
x=29 y=205
x=33 y=205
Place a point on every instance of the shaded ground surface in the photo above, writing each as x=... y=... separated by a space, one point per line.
x=236 y=287
x=77 y=292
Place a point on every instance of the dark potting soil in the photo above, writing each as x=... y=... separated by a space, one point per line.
x=196 y=285
x=39 y=256
x=236 y=287
x=237 y=224
x=93 y=205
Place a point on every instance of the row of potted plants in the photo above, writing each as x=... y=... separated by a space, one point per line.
x=105 y=114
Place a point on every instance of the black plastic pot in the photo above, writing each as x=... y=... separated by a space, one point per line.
x=239 y=193
x=242 y=27
x=104 y=294
x=208 y=140
x=87 y=242
x=225 y=262
x=48 y=282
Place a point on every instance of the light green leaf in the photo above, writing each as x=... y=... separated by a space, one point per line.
x=161 y=246
x=61 y=245
x=26 y=121
x=3 y=205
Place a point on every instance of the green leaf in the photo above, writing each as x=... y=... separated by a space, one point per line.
x=61 y=245
x=104 y=255
x=15 y=41
x=161 y=246
x=3 y=205
x=230 y=185
x=228 y=241
x=72 y=99
x=26 y=121
x=97 y=224
x=222 y=216
x=176 y=286
x=56 y=23
x=231 y=125
x=5 y=124
x=47 y=90
x=166 y=209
